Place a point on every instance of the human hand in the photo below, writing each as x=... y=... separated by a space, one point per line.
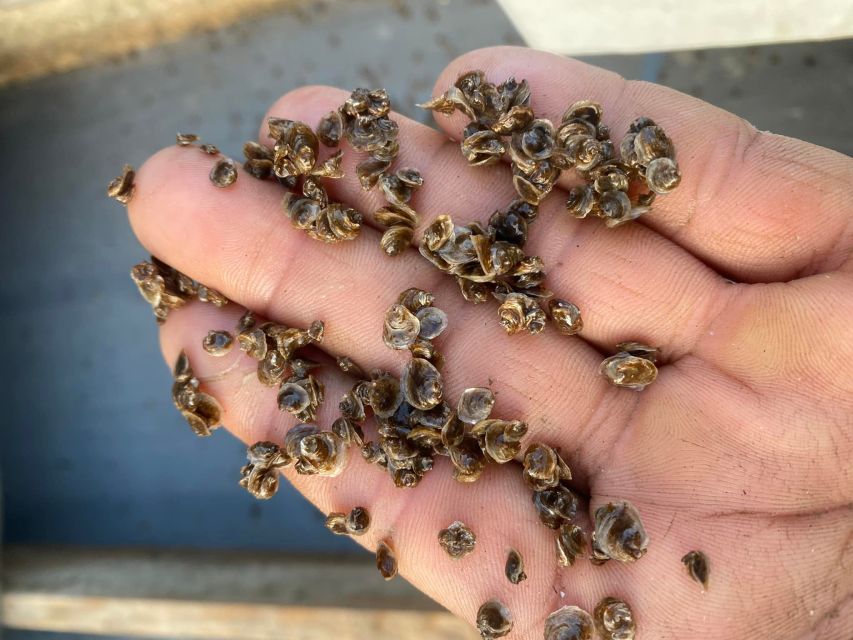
x=742 y=446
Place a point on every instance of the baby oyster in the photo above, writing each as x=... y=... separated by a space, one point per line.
x=514 y=568
x=260 y=477
x=401 y=327
x=457 y=540
x=543 y=467
x=421 y=384
x=614 y=620
x=570 y=544
x=386 y=561
x=217 y=343
x=569 y=623
x=494 y=620
x=697 y=567
x=619 y=533
x=475 y=404
x=632 y=369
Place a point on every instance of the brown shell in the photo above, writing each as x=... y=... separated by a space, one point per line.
x=494 y=620
x=386 y=561
x=336 y=523
x=401 y=327
x=475 y=404
x=217 y=343
x=614 y=620
x=396 y=239
x=122 y=187
x=415 y=299
x=662 y=175
x=468 y=460
x=569 y=623
x=570 y=544
x=514 y=569
x=629 y=371
x=330 y=129
x=384 y=395
x=223 y=173
x=619 y=533
x=566 y=316
x=357 y=521
x=698 y=567
x=483 y=148
x=555 y=506
x=500 y=439
x=185 y=139
x=457 y=540
x=421 y=383
x=543 y=467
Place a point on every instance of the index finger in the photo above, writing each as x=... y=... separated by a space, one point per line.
x=754 y=205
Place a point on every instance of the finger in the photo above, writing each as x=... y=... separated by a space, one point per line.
x=237 y=241
x=629 y=282
x=756 y=206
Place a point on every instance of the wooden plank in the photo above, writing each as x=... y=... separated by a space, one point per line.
x=628 y=26
x=47 y=36
x=214 y=595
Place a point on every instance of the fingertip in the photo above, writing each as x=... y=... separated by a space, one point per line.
x=307 y=104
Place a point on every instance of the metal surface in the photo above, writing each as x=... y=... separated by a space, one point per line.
x=92 y=452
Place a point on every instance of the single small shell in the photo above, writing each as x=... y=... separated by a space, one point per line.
x=122 y=188
x=614 y=205
x=396 y=239
x=494 y=620
x=210 y=149
x=614 y=620
x=293 y=398
x=515 y=119
x=415 y=299
x=475 y=404
x=401 y=327
x=628 y=371
x=468 y=459
x=619 y=533
x=584 y=110
x=369 y=171
x=384 y=395
x=569 y=623
x=438 y=233
x=182 y=371
x=566 y=316
x=652 y=142
x=185 y=139
x=500 y=439
x=422 y=384
x=698 y=567
x=433 y=322
x=260 y=477
x=349 y=366
x=294 y=436
x=476 y=292
x=271 y=368
x=581 y=201
x=662 y=175
x=514 y=568
x=536 y=142
x=457 y=540
x=336 y=523
x=330 y=129
x=358 y=521
x=323 y=453
x=217 y=343
x=518 y=312
x=224 y=172
x=639 y=350
x=509 y=226
x=482 y=148
x=543 y=467
x=555 y=506
x=570 y=544
x=386 y=561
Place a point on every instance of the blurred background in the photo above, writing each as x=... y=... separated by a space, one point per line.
x=117 y=520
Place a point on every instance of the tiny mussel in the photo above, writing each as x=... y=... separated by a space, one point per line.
x=619 y=533
x=514 y=569
x=570 y=544
x=122 y=188
x=422 y=384
x=457 y=540
x=316 y=452
x=569 y=623
x=401 y=327
x=224 y=172
x=494 y=620
x=614 y=620
x=218 y=343
x=633 y=367
x=261 y=477
x=386 y=561
x=698 y=567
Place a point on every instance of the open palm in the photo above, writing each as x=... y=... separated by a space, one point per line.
x=743 y=277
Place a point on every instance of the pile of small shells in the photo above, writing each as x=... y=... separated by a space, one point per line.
x=491 y=260
x=364 y=121
x=415 y=422
x=165 y=288
x=199 y=409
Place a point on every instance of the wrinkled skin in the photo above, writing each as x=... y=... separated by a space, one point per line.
x=742 y=446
